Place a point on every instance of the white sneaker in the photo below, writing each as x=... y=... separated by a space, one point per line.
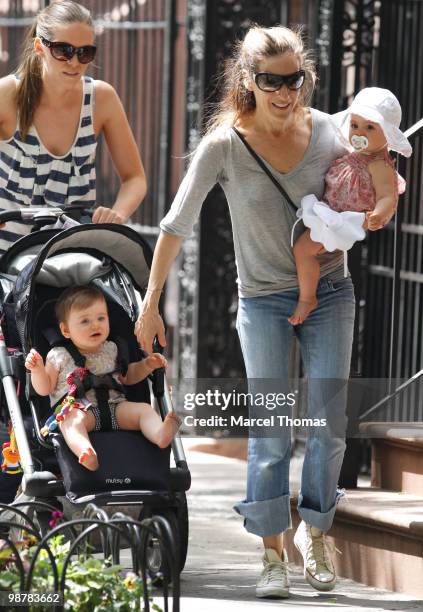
x=317 y=553
x=273 y=581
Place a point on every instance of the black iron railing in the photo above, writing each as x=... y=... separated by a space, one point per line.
x=29 y=531
x=403 y=400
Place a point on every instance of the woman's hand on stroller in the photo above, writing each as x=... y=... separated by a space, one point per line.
x=102 y=214
x=149 y=325
x=34 y=360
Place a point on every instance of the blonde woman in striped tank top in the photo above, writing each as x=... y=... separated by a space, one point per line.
x=49 y=125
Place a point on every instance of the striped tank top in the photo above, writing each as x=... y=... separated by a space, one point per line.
x=31 y=175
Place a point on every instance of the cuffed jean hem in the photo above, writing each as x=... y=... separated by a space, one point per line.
x=321 y=520
x=267 y=517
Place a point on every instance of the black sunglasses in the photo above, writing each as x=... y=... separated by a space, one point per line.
x=267 y=81
x=64 y=51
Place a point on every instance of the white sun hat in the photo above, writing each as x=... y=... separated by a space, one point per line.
x=379 y=106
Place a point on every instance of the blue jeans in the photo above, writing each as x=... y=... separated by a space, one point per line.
x=325 y=340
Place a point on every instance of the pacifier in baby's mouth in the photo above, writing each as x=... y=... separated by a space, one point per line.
x=359 y=142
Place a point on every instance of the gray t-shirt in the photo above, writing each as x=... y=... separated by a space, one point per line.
x=261 y=219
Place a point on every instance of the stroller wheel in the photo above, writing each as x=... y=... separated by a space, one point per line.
x=183 y=528
x=154 y=558
x=156 y=566
x=178 y=521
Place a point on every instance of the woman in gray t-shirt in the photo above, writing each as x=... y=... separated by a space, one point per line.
x=267 y=84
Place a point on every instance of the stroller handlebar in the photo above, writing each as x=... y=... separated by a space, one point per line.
x=46 y=214
x=10 y=215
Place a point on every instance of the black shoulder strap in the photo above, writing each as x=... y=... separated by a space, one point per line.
x=122 y=354
x=266 y=170
x=55 y=338
x=78 y=358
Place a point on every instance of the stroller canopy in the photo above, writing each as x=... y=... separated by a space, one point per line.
x=78 y=255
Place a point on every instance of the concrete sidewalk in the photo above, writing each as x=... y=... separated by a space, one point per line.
x=224 y=560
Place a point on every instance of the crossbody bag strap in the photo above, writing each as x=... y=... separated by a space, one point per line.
x=266 y=170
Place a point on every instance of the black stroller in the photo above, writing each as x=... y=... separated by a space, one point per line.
x=133 y=471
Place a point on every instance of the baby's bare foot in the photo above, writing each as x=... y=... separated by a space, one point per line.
x=302 y=310
x=89 y=460
x=168 y=430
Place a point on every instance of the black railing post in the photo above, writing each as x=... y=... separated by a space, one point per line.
x=166 y=109
x=396 y=287
x=337 y=51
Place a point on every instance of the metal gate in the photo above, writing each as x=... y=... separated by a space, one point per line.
x=395 y=258
x=378 y=42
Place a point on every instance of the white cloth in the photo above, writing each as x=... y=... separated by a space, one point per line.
x=334 y=230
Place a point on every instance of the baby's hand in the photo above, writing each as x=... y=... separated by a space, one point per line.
x=33 y=360
x=377 y=220
x=154 y=361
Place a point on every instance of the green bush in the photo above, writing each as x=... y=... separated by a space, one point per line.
x=92 y=585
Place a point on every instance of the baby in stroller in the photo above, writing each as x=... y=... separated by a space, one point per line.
x=83 y=320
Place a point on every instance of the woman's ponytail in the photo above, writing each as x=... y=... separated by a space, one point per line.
x=30 y=83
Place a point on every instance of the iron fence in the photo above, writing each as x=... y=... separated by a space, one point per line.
x=377 y=42
x=32 y=529
x=393 y=330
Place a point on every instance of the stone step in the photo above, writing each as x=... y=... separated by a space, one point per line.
x=397 y=464
x=380 y=534
x=397 y=456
